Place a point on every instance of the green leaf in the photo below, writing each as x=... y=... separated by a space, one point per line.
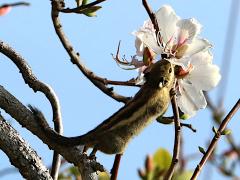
x=103 y=176
x=186 y=175
x=201 y=149
x=162 y=159
x=226 y=132
x=184 y=116
x=91 y=12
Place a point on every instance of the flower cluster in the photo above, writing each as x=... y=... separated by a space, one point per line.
x=178 y=40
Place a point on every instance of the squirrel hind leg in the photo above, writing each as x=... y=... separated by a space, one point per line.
x=93 y=153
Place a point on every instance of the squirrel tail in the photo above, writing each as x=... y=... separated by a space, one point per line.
x=51 y=134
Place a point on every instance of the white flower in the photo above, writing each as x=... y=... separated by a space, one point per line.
x=178 y=39
x=202 y=76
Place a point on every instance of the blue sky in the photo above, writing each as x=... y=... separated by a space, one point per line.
x=29 y=30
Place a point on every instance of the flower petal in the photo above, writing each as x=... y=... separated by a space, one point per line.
x=139 y=46
x=144 y=39
x=196 y=46
x=190 y=99
x=167 y=19
x=204 y=75
x=188 y=28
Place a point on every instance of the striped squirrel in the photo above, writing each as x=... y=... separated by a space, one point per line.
x=113 y=134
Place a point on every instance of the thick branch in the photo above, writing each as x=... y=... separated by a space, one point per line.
x=75 y=58
x=215 y=140
x=37 y=85
x=21 y=155
x=25 y=117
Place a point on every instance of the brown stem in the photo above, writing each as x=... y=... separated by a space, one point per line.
x=75 y=57
x=177 y=138
x=219 y=112
x=215 y=140
x=170 y=120
x=15 y=4
x=153 y=18
x=37 y=85
x=27 y=119
x=82 y=7
x=130 y=82
x=114 y=171
x=188 y=126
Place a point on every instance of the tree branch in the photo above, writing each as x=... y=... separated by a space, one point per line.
x=217 y=113
x=82 y=7
x=177 y=138
x=75 y=57
x=114 y=170
x=153 y=18
x=37 y=85
x=20 y=153
x=26 y=118
x=15 y=4
x=215 y=140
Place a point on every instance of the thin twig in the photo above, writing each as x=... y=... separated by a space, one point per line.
x=15 y=4
x=37 y=85
x=75 y=58
x=188 y=126
x=153 y=18
x=130 y=82
x=170 y=120
x=82 y=7
x=215 y=140
x=114 y=171
x=177 y=138
x=216 y=111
